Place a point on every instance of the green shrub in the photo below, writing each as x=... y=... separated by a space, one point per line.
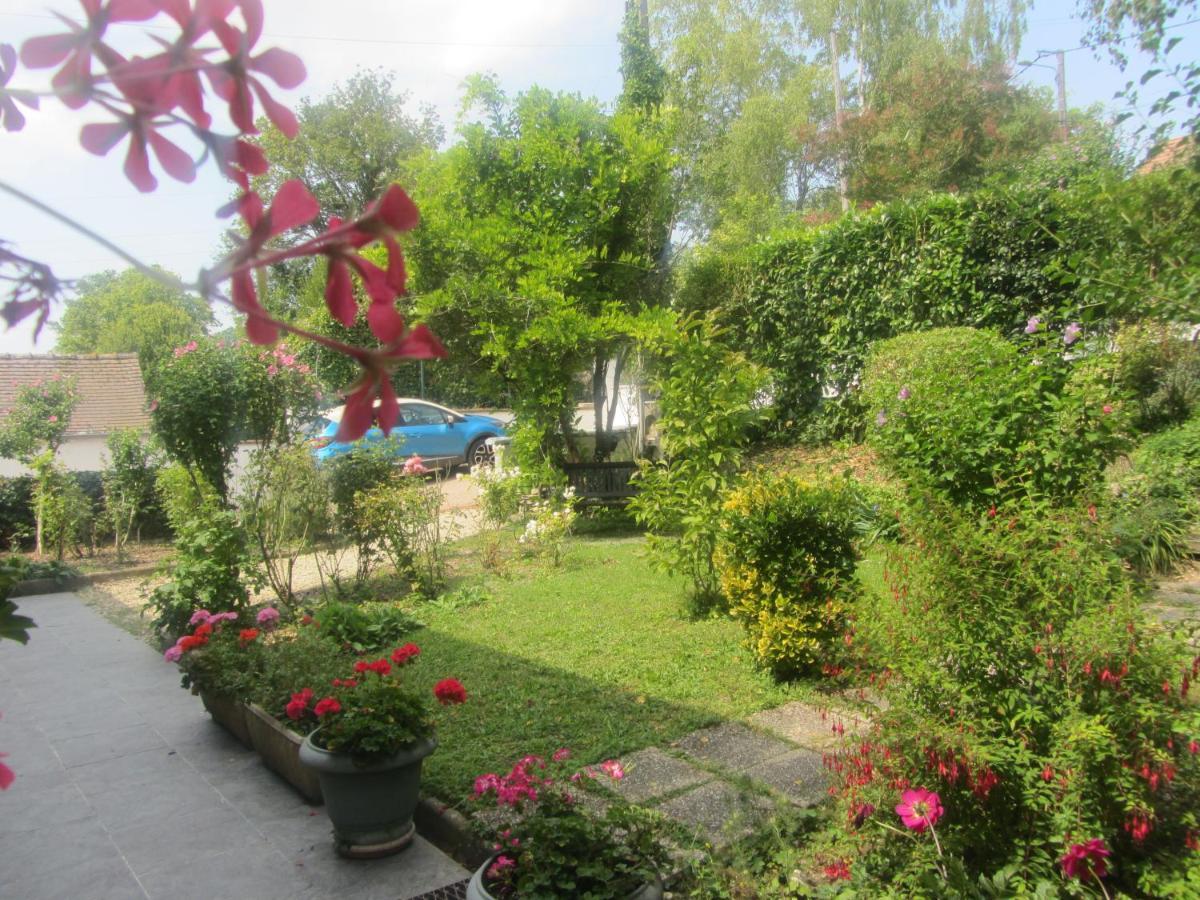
x=364 y=467
x=182 y=495
x=128 y=484
x=785 y=558
x=291 y=661
x=707 y=408
x=403 y=513
x=285 y=510
x=1153 y=507
x=16 y=511
x=963 y=413
x=206 y=573
x=363 y=627
x=1032 y=694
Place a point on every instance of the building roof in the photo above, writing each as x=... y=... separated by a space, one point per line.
x=1175 y=152
x=111 y=393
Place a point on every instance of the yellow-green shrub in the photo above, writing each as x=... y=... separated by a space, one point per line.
x=785 y=559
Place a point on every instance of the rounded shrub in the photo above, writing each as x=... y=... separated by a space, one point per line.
x=945 y=408
x=785 y=559
x=967 y=415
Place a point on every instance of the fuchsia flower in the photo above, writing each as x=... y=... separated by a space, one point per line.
x=919 y=809
x=1085 y=861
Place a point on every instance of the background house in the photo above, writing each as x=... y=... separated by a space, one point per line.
x=111 y=396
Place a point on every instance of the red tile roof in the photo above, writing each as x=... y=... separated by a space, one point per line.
x=1175 y=152
x=111 y=393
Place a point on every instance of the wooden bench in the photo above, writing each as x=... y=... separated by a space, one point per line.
x=601 y=483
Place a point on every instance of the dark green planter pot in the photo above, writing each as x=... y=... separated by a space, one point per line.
x=476 y=890
x=371 y=807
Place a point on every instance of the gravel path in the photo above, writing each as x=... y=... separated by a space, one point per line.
x=122 y=598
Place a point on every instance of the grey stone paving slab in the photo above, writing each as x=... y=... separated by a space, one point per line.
x=651 y=773
x=731 y=745
x=90 y=748
x=126 y=789
x=716 y=811
x=108 y=879
x=30 y=854
x=806 y=725
x=800 y=776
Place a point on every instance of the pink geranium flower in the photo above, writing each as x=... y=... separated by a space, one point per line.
x=919 y=809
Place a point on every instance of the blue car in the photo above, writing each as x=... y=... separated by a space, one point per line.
x=442 y=437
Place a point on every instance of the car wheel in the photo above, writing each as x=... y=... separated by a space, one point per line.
x=480 y=454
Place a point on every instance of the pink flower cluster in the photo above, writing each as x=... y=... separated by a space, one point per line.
x=414 y=465
x=208 y=48
x=203 y=624
x=187 y=348
x=267 y=618
x=527 y=777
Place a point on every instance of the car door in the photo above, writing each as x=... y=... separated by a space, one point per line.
x=427 y=432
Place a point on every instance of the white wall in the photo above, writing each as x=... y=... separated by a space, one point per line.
x=78 y=453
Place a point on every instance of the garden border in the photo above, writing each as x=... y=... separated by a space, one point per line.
x=34 y=586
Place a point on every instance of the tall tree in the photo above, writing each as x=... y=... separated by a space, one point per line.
x=353 y=143
x=756 y=85
x=129 y=312
x=542 y=229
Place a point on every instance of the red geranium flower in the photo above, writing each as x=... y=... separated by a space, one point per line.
x=327 y=705
x=248 y=635
x=450 y=690
x=408 y=652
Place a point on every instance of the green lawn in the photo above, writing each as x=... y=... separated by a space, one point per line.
x=598 y=656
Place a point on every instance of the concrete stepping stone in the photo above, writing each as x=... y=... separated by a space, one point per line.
x=732 y=745
x=651 y=773
x=807 y=726
x=800 y=776
x=716 y=811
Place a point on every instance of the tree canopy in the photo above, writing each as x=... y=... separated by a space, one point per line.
x=130 y=312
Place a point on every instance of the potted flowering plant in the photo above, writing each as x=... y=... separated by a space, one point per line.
x=373 y=733
x=548 y=843
x=219 y=664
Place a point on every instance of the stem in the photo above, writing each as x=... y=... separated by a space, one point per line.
x=1103 y=889
x=938 y=845
x=98 y=238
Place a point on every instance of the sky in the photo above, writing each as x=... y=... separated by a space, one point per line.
x=567 y=45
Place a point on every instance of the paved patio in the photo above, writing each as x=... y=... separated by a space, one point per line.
x=126 y=789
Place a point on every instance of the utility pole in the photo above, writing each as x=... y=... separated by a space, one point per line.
x=843 y=183
x=646 y=14
x=1060 y=81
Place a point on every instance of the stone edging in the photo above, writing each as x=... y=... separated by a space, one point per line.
x=450 y=831
x=34 y=586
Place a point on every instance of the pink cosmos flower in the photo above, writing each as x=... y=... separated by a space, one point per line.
x=1086 y=860
x=919 y=809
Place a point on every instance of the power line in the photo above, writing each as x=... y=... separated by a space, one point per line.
x=357 y=40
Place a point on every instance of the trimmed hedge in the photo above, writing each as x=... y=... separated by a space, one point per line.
x=809 y=304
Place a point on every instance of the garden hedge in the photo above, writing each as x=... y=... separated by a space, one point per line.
x=810 y=303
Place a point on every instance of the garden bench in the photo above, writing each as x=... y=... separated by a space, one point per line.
x=601 y=483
